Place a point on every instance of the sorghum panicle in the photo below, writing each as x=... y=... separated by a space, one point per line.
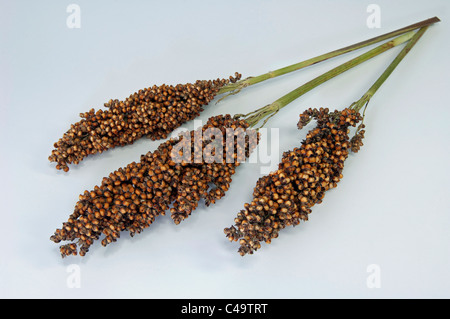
x=285 y=197
x=130 y=198
x=153 y=112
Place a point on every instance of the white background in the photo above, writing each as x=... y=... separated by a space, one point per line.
x=390 y=210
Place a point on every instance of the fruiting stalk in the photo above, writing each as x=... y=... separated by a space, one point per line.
x=305 y=174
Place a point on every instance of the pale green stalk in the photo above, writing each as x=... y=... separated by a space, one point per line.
x=234 y=88
x=269 y=110
x=364 y=100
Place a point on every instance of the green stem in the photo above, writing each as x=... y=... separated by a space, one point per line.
x=364 y=100
x=274 y=107
x=236 y=87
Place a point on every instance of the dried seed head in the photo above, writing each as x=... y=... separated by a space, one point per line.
x=153 y=112
x=303 y=176
x=131 y=198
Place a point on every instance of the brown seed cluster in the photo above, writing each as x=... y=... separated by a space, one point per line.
x=285 y=197
x=356 y=140
x=153 y=112
x=130 y=198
